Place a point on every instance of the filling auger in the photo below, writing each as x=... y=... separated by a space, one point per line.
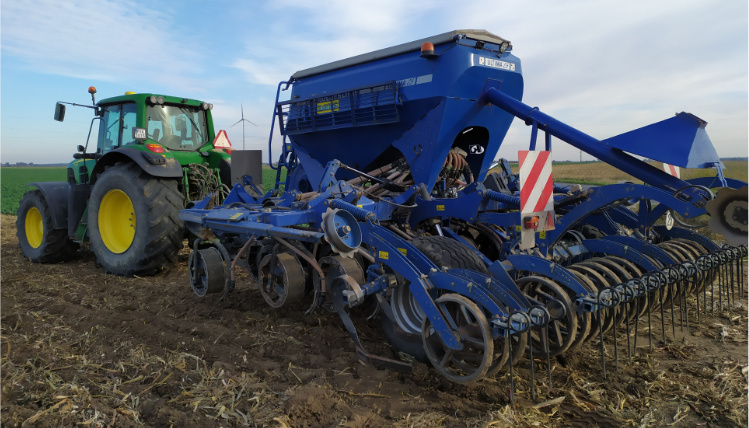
x=389 y=197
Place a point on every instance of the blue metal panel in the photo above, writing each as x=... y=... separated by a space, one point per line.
x=602 y=196
x=549 y=269
x=680 y=140
x=678 y=232
x=615 y=157
x=713 y=182
x=643 y=247
x=603 y=246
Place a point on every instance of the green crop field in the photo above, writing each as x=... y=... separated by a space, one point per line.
x=15 y=179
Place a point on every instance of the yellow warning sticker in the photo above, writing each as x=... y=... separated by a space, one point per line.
x=384 y=255
x=542 y=234
x=403 y=251
x=327 y=107
x=440 y=207
x=517 y=228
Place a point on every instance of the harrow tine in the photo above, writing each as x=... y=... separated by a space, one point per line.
x=712 y=286
x=614 y=303
x=726 y=275
x=720 y=282
x=651 y=279
x=512 y=373
x=628 y=294
x=730 y=267
x=600 y=335
x=548 y=355
x=740 y=268
x=672 y=290
x=559 y=315
x=539 y=318
x=641 y=290
x=697 y=283
x=705 y=279
x=689 y=271
x=683 y=304
x=524 y=323
x=608 y=299
x=662 y=290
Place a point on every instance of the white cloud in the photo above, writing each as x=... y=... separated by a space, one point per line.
x=106 y=40
x=322 y=33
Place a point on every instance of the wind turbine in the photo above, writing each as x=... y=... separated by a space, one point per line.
x=242 y=120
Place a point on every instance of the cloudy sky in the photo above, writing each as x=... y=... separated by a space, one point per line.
x=602 y=67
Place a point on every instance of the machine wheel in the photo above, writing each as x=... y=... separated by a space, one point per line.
x=133 y=221
x=207 y=271
x=468 y=323
x=562 y=328
x=39 y=242
x=283 y=282
x=403 y=335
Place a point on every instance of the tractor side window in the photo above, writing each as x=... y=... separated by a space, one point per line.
x=128 y=123
x=109 y=130
x=155 y=126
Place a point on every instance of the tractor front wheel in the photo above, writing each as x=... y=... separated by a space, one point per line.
x=133 y=221
x=39 y=242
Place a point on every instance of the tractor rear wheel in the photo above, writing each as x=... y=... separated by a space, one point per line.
x=39 y=242
x=133 y=221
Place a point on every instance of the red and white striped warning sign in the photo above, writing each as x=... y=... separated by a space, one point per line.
x=673 y=170
x=536 y=185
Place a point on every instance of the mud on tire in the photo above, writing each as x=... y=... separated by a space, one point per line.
x=133 y=221
x=39 y=242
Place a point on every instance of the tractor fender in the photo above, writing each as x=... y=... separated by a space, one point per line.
x=152 y=164
x=56 y=194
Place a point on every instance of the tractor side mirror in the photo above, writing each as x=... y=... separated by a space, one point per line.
x=59 y=112
x=81 y=149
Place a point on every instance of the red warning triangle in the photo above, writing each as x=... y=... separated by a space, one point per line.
x=549 y=220
x=222 y=140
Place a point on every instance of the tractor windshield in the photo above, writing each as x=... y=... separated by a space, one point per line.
x=177 y=127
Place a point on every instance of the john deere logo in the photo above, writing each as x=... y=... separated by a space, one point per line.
x=476 y=149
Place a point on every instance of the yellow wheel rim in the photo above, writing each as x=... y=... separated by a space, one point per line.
x=116 y=221
x=34 y=227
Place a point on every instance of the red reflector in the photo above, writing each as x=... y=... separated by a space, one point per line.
x=228 y=151
x=156 y=148
x=531 y=222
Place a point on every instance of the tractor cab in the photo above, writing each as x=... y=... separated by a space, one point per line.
x=162 y=127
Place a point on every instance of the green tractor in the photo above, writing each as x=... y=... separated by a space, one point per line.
x=154 y=154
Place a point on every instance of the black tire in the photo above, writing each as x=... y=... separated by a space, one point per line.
x=450 y=253
x=402 y=342
x=152 y=243
x=39 y=242
x=441 y=251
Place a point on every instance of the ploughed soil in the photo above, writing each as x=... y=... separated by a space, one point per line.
x=82 y=348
